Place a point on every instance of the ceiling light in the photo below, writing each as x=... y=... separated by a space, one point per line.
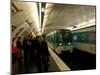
x=43 y=9
x=69 y=43
x=74 y=26
x=60 y=44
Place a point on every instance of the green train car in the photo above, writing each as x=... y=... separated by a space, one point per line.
x=85 y=39
x=61 y=40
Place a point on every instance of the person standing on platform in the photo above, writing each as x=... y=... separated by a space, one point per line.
x=20 y=55
x=38 y=54
x=14 y=55
x=45 y=54
x=26 y=53
x=33 y=50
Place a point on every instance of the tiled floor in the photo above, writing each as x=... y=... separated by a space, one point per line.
x=32 y=67
x=78 y=60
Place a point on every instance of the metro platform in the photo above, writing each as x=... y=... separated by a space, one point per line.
x=65 y=61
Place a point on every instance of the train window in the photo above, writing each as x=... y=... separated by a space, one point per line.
x=80 y=37
x=74 y=37
x=91 y=37
x=83 y=37
x=61 y=37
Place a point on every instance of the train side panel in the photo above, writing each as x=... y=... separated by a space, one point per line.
x=85 y=39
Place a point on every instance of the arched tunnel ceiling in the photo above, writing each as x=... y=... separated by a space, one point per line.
x=25 y=13
x=55 y=16
x=61 y=16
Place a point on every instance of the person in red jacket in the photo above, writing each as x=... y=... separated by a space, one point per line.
x=14 y=56
x=14 y=49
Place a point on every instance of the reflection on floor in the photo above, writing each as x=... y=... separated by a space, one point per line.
x=79 y=60
x=32 y=67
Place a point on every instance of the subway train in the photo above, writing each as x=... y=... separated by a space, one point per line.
x=85 y=39
x=81 y=39
x=62 y=40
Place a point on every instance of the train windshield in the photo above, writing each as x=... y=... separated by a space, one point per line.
x=64 y=37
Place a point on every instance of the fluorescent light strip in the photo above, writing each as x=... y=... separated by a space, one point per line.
x=40 y=13
x=51 y=33
x=83 y=25
x=35 y=16
x=43 y=10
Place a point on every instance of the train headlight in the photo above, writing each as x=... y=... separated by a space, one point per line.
x=60 y=44
x=69 y=43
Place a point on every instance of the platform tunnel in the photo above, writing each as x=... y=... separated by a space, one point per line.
x=69 y=29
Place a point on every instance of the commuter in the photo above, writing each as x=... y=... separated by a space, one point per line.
x=19 y=47
x=38 y=54
x=19 y=43
x=14 y=55
x=30 y=48
x=19 y=56
x=33 y=50
x=26 y=53
x=45 y=54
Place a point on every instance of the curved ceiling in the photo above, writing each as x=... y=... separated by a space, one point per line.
x=63 y=16
x=25 y=14
x=44 y=18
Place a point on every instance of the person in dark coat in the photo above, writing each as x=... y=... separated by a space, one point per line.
x=19 y=43
x=32 y=49
x=38 y=54
x=45 y=54
x=19 y=57
x=26 y=53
